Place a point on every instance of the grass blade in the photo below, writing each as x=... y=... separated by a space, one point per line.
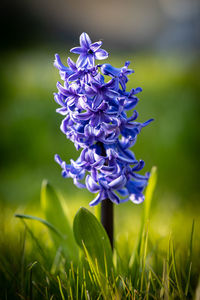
x=49 y=225
x=149 y=194
x=134 y=263
x=60 y=288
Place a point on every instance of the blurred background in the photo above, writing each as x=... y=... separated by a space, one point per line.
x=159 y=37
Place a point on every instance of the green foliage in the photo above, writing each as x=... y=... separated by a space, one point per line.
x=138 y=257
x=49 y=225
x=149 y=195
x=90 y=235
x=153 y=272
x=54 y=211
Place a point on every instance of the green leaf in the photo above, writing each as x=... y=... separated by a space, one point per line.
x=54 y=211
x=135 y=259
x=49 y=225
x=90 y=235
x=149 y=193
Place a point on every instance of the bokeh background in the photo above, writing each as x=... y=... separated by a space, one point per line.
x=159 y=37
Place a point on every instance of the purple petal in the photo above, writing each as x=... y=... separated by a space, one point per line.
x=77 y=50
x=98 y=164
x=118 y=182
x=107 y=141
x=58 y=159
x=71 y=64
x=63 y=126
x=139 y=166
x=133 y=117
x=130 y=105
x=107 y=170
x=137 y=90
x=94 y=122
x=101 y=54
x=90 y=60
x=96 y=200
x=79 y=184
x=91 y=185
x=90 y=90
x=81 y=61
x=147 y=122
x=142 y=179
x=108 y=69
x=123 y=192
x=94 y=174
x=82 y=156
x=59 y=65
x=83 y=116
x=88 y=130
x=114 y=198
x=85 y=40
x=63 y=111
x=62 y=90
x=137 y=199
x=103 y=183
x=58 y=99
x=74 y=76
x=97 y=100
x=95 y=46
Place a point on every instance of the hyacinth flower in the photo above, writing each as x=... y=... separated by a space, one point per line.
x=94 y=102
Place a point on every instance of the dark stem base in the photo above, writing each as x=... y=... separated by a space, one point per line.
x=107 y=218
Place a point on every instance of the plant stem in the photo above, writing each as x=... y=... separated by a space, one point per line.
x=107 y=218
x=107 y=208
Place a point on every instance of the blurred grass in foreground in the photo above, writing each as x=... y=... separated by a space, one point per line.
x=153 y=260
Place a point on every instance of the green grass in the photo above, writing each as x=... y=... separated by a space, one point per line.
x=149 y=262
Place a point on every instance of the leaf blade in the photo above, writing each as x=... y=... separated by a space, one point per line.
x=89 y=232
x=53 y=209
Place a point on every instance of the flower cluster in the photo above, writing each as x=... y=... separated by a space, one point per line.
x=95 y=120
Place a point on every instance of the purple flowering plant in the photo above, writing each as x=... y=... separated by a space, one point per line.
x=94 y=102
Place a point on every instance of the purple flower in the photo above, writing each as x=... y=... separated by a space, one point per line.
x=121 y=73
x=88 y=51
x=95 y=120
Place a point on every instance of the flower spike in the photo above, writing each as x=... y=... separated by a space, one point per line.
x=95 y=120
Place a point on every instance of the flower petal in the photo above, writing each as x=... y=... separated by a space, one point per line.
x=118 y=182
x=59 y=65
x=71 y=64
x=101 y=54
x=137 y=198
x=96 y=200
x=113 y=197
x=147 y=122
x=108 y=69
x=81 y=61
x=58 y=159
x=91 y=185
x=83 y=116
x=77 y=50
x=63 y=111
x=90 y=60
x=85 y=40
x=63 y=90
x=95 y=46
